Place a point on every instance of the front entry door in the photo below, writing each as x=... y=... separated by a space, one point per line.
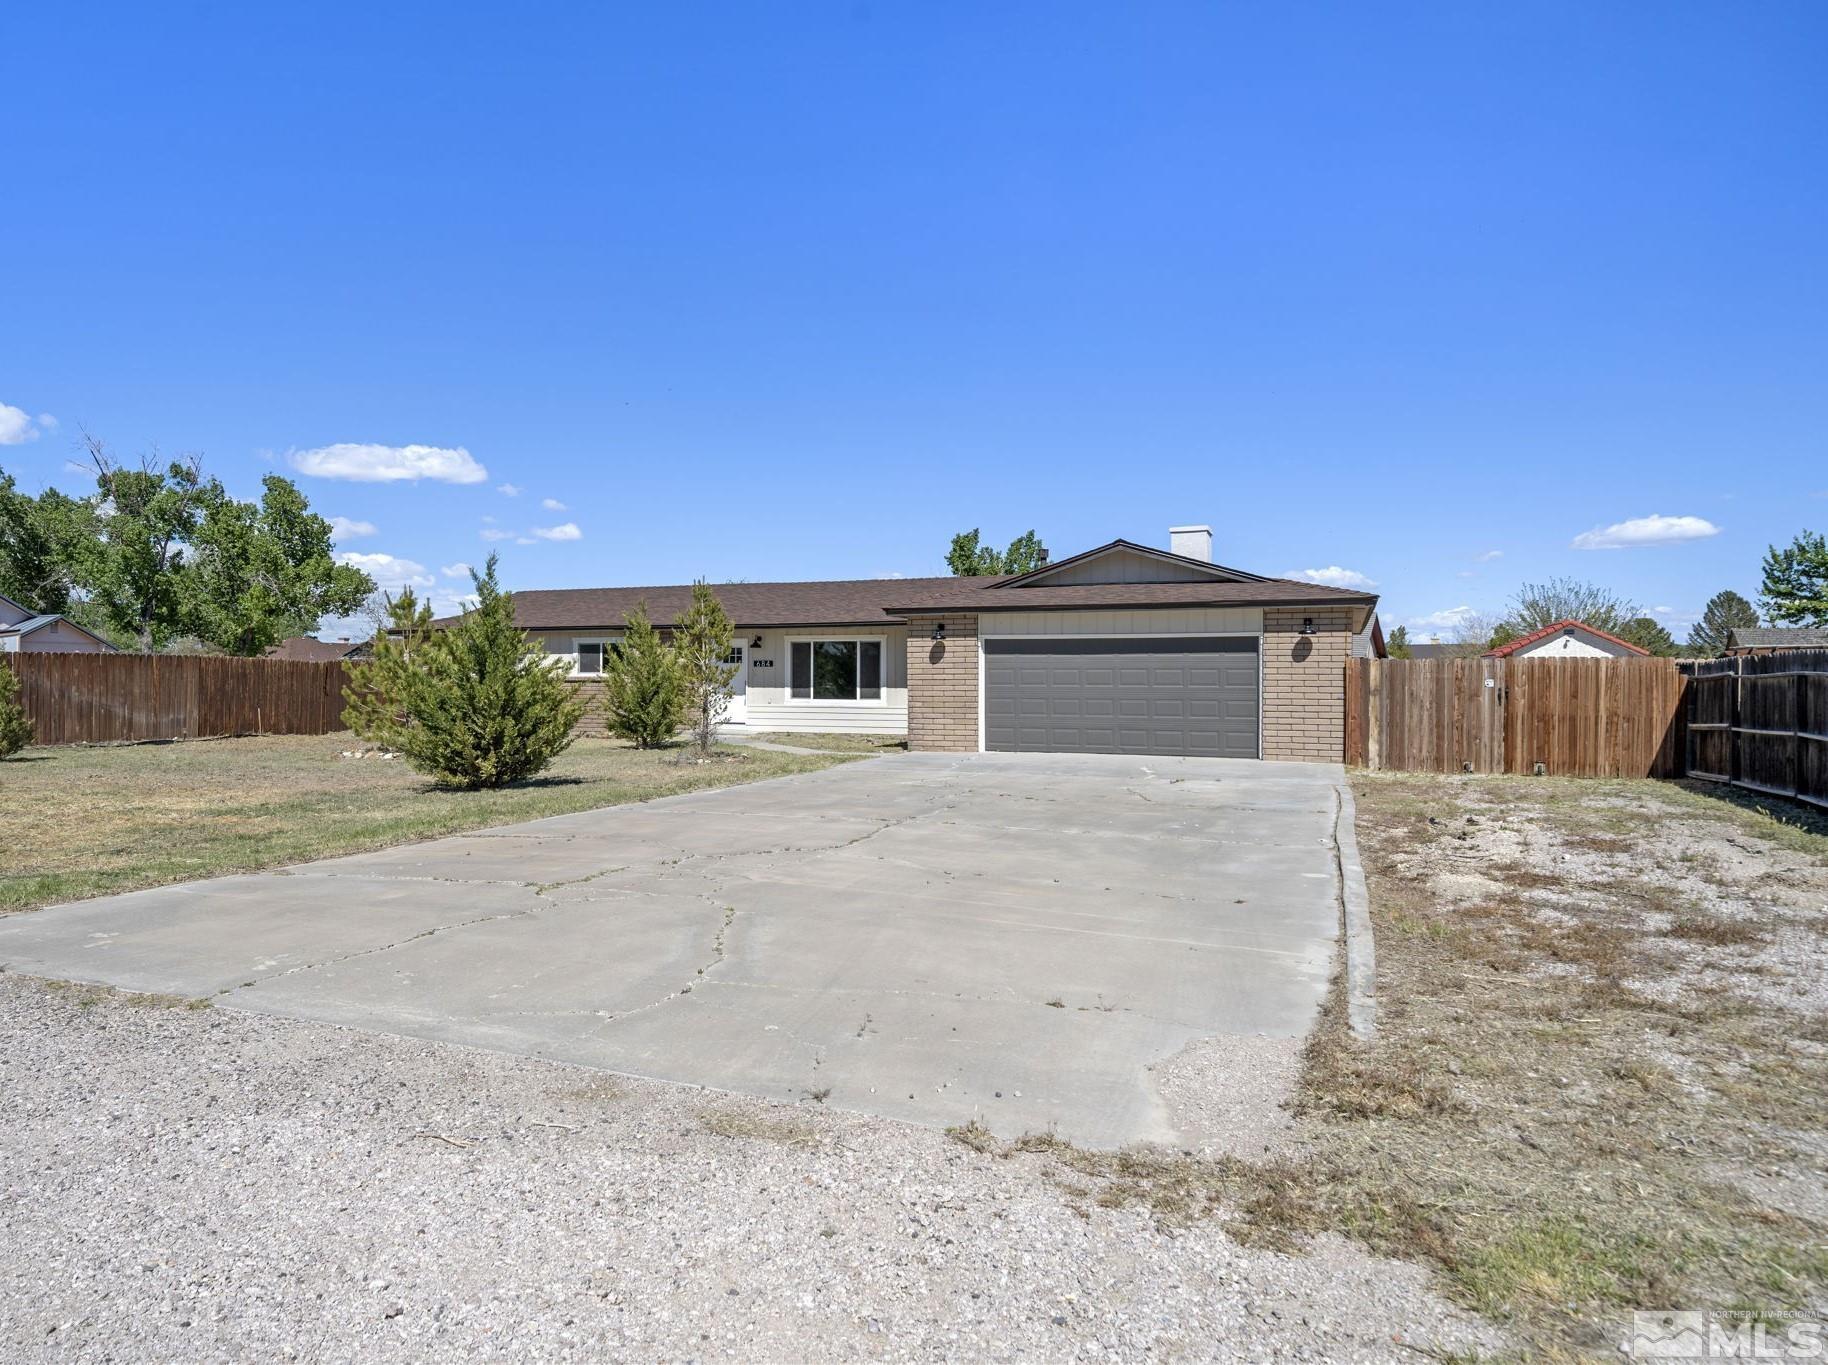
x=738 y=710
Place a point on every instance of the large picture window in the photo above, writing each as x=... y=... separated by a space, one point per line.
x=835 y=670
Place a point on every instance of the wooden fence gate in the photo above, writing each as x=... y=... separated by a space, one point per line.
x=1560 y=717
x=1761 y=722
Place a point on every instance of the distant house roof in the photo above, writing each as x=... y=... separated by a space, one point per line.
x=1435 y=651
x=310 y=649
x=1555 y=628
x=1777 y=637
x=33 y=624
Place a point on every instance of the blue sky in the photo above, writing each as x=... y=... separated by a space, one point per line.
x=1419 y=292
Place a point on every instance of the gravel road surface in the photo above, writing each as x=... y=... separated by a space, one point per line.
x=206 y=1184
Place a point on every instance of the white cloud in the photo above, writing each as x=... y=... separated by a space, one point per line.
x=525 y=540
x=457 y=570
x=17 y=426
x=1446 y=619
x=450 y=604
x=389 y=464
x=1334 y=577
x=493 y=533
x=1488 y=556
x=347 y=528
x=508 y=490
x=1651 y=530
x=389 y=571
x=552 y=504
x=568 y=531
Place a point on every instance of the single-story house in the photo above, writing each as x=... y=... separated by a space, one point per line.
x=310 y=649
x=1568 y=640
x=1122 y=649
x=1771 y=639
x=24 y=631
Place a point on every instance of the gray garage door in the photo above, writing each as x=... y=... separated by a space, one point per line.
x=1194 y=696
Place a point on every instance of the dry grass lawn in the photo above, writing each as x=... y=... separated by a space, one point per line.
x=1601 y=1077
x=79 y=822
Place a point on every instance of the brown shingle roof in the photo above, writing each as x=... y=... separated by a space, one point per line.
x=947 y=595
x=882 y=601
x=842 y=602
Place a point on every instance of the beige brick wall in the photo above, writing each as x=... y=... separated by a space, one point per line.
x=942 y=685
x=1304 y=683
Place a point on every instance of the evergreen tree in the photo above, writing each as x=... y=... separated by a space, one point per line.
x=1647 y=633
x=1724 y=613
x=1796 y=582
x=702 y=642
x=643 y=692
x=484 y=705
x=15 y=725
x=375 y=696
x=1396 y=644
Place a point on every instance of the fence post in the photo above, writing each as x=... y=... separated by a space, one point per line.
x=1734 y=766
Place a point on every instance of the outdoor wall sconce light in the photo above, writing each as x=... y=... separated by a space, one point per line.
x=756 y=643
x=1307 y=625
x=939 y=630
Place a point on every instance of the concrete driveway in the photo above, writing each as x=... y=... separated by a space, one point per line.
x=1119 y=948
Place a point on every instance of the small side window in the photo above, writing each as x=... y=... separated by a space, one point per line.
x=590 y=657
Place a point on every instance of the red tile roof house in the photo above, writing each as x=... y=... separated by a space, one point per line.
x=1122 y=649
x=1568 y=640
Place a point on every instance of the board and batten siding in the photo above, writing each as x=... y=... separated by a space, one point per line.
x=1139 y=621
x=1123 y=566
x=770 y=708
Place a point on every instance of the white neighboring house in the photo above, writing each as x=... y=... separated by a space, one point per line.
x=23 y=631
x=1568 y=640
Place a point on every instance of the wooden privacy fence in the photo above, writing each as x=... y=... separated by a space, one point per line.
x=103 y=698
x=1761 y=722
x=1562 y=717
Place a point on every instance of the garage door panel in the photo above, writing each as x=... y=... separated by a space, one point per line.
x=1196 y=695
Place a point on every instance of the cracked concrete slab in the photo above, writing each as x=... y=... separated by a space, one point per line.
x=1022 y=939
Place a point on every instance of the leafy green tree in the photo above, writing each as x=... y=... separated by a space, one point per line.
x=1396 y=644
x=1567 y=599
x=1025 y=554
x=374 y=698
x=1647 y=633
x=15 y=725
x=36 y=538
x=702 y=642
x=643 y=686
x=484 y=705
x=133 y=569
x=1725 y=612
x=263 y=571
x=1796 y=582
x=970 y=558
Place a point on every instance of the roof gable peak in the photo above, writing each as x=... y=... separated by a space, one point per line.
x=1183 y=564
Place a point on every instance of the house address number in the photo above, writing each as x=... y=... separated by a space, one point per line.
x=761 y=663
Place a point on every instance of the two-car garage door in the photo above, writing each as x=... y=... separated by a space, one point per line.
x=1196 y=695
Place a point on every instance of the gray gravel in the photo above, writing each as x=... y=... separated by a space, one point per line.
x=205 y=1185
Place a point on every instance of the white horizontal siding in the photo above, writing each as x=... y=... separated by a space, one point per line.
x=1140 y=621
x=770 y=708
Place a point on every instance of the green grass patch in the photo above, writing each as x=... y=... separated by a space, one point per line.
x=79 y=822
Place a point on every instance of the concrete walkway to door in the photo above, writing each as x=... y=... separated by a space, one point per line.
x=1032 y=940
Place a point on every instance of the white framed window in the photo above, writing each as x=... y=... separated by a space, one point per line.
x=835 y=668
x=588 y=657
